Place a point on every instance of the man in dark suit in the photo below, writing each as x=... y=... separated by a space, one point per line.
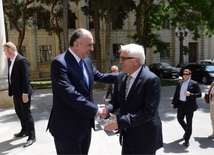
x=73 y=112
x=184 y=99
x=21 y=90
x=110 y=91
x=137 y=94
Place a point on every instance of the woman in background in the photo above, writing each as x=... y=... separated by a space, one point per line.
x=211 y=97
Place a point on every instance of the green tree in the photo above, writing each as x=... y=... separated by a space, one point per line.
x=110 y=11
x=59 y=16
x=197 y=16
x=20 y=14
x=149 y=16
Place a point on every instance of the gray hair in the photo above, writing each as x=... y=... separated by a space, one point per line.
x=11 y=45
x=134 y=50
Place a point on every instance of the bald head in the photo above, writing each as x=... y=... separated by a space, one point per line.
x=82 y=43
x=77 y=34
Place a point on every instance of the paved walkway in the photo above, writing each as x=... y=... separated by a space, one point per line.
x=106 y=143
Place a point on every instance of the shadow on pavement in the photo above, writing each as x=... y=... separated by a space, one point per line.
x=175 y=147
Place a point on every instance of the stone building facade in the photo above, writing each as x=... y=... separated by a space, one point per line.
x=40 y=47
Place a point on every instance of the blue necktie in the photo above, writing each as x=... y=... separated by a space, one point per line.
x=84 y=72
x=81 y=65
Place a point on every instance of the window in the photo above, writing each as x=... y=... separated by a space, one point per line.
x=91 y=22
x=116 y=48
x=45 y=53
x=23 y=49
x=165 y=53
x=11 y=26
x=43 y=20
x=71 y=20
x=166 y=24
x=117 y=24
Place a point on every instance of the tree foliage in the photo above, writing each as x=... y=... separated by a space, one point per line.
x=20 y=15
x=195 y=15
x=111 y=11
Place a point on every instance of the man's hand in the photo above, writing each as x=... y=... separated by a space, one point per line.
x=112 y=125
x=172 y=106
x=104 y=98
x=102 y=111
x=187 y=93
x=25 y=98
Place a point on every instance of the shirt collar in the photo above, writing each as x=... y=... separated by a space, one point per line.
x=14 y=57
x=75 y=56
x=187 y=81
x=134 y=75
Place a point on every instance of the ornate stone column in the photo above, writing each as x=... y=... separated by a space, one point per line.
x=5 y=100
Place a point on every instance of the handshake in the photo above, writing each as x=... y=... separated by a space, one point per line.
x=102 y=111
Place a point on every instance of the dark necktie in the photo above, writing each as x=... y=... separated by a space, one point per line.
x=81 y=65
x=127 y=85
x=84 y=73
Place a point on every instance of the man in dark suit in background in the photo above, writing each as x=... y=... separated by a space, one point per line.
x=110 y=91
x=137 y=94
x=21 y=90
x=184 y=99
x=73 y=112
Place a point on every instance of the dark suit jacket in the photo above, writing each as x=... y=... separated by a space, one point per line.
x=195 y=92
x=139 y=116
x=109 y=91
x=20 y=78
x=73 y=110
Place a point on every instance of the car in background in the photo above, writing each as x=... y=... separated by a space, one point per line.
x=208 y=61
x=200 y=72
x=164 y=70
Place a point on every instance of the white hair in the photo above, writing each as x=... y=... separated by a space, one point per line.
x=134 y=50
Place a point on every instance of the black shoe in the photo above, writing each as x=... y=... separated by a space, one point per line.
x=186 y=143
x=20 y=134
x=29 y=142
x=184 y=136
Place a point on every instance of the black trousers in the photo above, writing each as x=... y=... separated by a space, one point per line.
x=25 y=116
x=183 y=112
x=127 y=150
x=79 y=145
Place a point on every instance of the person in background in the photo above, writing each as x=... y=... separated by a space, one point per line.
x=184 y=99
x=146 y=67
x=115 y=70
x=21 y=90
x=73 y=111
x=137 y=95
x=211 y=98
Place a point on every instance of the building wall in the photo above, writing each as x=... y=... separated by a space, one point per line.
x=36 y=38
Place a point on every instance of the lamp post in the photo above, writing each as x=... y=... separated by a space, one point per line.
x=181 y=34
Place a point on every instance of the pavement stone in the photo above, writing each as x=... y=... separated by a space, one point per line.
x=107 y=143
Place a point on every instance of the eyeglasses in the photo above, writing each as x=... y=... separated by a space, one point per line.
x=113 y=70
x=126 y=58
x=186 y=74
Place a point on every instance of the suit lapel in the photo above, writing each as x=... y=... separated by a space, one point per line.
x=123 y=88
x=71 y=62
x=135 y=84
